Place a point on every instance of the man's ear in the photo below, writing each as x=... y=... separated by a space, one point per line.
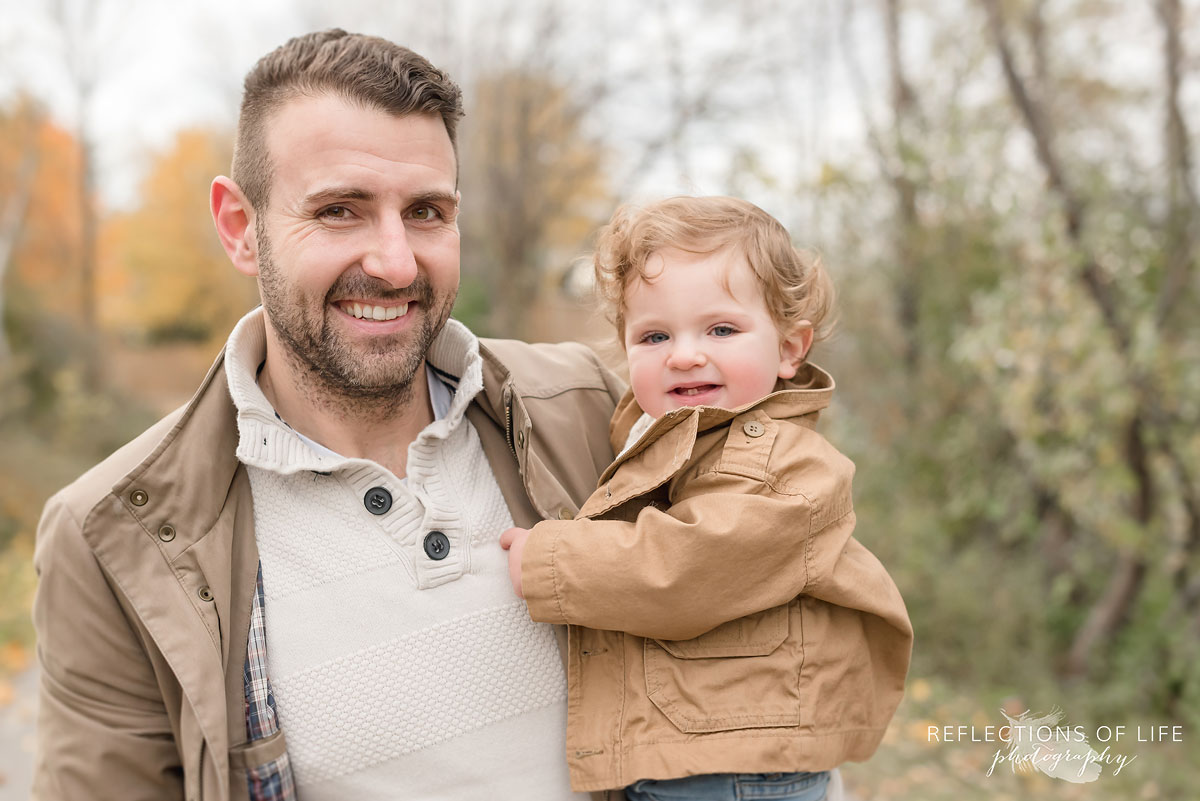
x=794 y=347
x=234 y=218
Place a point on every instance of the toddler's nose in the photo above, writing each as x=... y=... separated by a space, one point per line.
x=685 y=357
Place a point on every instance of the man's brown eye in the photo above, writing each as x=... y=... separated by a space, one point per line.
x=337 y=212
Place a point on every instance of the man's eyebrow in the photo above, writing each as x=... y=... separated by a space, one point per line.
x=335 y=193
x=447 y=198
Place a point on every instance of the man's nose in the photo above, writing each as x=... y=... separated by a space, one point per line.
x=686 y=355
x=390 y=257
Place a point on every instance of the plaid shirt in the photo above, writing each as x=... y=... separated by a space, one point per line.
x=271 y=781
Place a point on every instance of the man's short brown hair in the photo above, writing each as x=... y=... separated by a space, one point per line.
x=795 y=284
x=363 y=69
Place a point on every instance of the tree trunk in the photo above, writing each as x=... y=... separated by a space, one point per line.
x=1111 y=609
x=908 y=285
x=1181 y=195
x=11 y=223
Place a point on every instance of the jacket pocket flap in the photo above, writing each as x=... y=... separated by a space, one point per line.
x=250 y=755
x=754 y=635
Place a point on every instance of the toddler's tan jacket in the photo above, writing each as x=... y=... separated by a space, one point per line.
x=674 y=667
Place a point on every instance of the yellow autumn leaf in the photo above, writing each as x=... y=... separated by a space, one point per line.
x=14 y=657
x=919 y=690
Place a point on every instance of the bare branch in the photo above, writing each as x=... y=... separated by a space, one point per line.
x=1181 y=194
x=1125 y=582
x=1038 y=125
x=858 y=82
x=903 y=108
x=689 y=101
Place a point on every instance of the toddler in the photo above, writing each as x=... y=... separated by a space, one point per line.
x=728 y=636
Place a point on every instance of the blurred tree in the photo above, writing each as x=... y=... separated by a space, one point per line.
x=42 y=233
x=534 y=188
x=77 y=26
x=165 y=275
x=19 y=156
x=1150 y=424
x=1052 y=424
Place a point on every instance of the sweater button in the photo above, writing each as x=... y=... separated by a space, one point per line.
x=437 y=545
x=378 y=500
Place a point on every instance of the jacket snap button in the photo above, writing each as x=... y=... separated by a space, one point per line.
x=437 y=545
x=754 y=429
x=138 y=497
x=565 y=514
x=166 y=533
x=378 y=500
x=520 y=439
x=205 y=593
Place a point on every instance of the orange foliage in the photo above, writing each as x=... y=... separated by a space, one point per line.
x=46 y=257
x=163 y=271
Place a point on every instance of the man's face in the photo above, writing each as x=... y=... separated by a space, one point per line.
x=358 y=248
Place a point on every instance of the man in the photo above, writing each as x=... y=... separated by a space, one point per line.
x=310 y=547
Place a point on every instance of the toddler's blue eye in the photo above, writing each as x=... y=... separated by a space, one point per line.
x=655 y=338
x=722 y=331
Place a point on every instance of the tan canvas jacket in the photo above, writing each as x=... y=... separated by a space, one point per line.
x=147 y=568
x=712 y=517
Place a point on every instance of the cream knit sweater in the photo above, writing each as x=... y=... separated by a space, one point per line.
x=397 y=675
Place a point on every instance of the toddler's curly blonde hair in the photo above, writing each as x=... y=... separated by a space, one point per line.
x=795 y=285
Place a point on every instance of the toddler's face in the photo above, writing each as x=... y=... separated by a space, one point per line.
x=692 y=341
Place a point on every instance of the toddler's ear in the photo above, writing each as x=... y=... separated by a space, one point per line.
x=794 y=347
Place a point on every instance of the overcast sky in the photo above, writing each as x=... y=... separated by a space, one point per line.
x=161 y=66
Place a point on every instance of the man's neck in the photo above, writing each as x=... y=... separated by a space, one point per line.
x=379 y=430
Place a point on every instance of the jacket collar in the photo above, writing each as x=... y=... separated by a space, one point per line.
x=810 y=391
x=673 y=436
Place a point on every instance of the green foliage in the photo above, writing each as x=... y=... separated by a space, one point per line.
x=472 y=307
x=52 y=430
x=1014 y=443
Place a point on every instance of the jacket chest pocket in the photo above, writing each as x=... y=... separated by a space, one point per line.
x=744 y=674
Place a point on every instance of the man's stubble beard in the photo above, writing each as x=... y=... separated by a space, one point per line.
x=342 y=378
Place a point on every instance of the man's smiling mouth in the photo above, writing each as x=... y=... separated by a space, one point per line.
x=366 y=311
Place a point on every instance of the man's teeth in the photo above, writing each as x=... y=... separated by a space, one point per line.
x=368 y=312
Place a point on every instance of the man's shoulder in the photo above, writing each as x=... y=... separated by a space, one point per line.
x=543 y=370
x=91 y=488
x=97 y=483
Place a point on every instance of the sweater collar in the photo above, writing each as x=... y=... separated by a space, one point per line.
x=266 y=441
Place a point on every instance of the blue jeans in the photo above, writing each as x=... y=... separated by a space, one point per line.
x=733 y=787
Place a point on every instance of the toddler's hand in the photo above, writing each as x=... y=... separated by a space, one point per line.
x=513 y=541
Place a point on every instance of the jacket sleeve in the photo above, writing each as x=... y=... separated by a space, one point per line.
x=732 y=547
x=103 y=731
